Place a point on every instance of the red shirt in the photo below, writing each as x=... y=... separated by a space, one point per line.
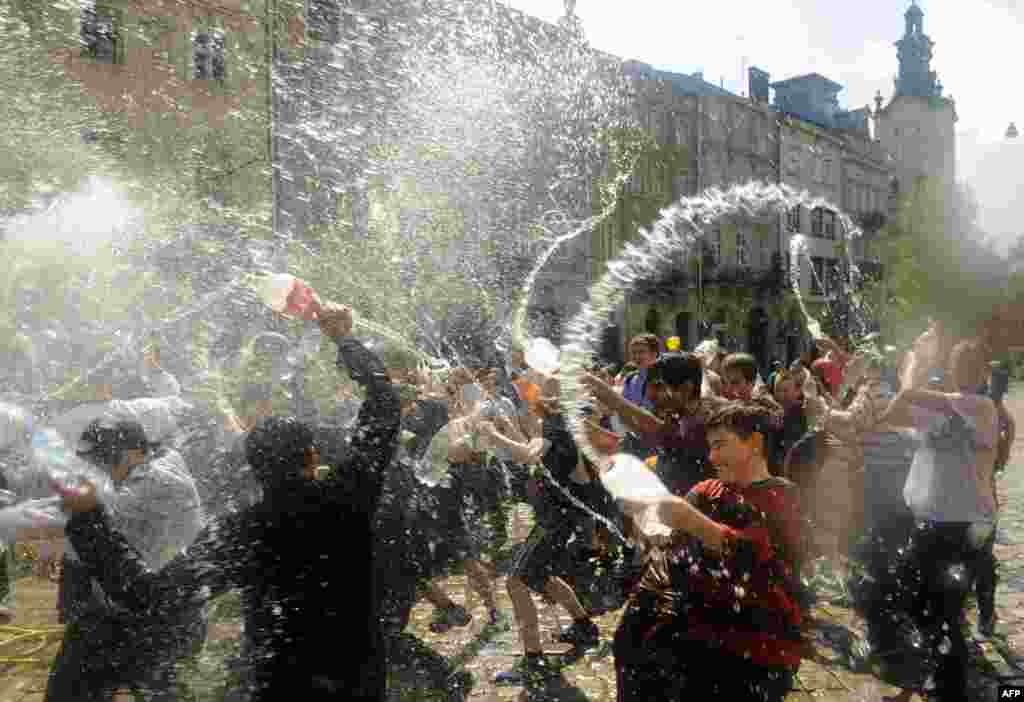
x=742 y=601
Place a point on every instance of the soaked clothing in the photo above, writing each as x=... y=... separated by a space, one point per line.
x=425 y=420
x=106 y=645
x=544 y=554
x=740 y=609
x=406 y=543
x=944 y=484
x=302 y=557
x=157 y=512
x=634 y=389
x=670 y=668
x=794 y=428
x=682 y=450
x=917 y=638
x=481 y=491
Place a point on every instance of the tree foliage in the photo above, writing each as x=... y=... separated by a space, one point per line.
x=938 y=263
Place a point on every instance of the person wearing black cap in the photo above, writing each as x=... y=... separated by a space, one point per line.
x=676 y=426
x=302 y=557
x=155 y=508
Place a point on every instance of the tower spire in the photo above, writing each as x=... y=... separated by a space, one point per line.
x=915 y=55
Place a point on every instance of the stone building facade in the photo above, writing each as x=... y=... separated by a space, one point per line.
x=184 y=84
x=801 y=139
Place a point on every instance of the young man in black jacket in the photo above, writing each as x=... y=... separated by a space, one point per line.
x=303 y=556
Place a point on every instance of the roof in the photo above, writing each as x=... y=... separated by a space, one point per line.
x=688 y=84
x=809 y=78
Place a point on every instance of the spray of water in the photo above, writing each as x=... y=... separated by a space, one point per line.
x=675 y=237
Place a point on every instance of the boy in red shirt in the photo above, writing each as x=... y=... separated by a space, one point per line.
x=715 y=614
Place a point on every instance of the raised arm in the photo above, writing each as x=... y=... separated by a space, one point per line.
x=635 y=417
x=375 y=438
x=524 y=452
x=211 y=566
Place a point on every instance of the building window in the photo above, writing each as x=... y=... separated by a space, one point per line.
x=826 y=170
x=833 y=277
x=818 y=280
x=324 y=20
x=742 y=249
x=793 y=219
x=715 y=244
x=825 y=276
x=101 y=33
x=208 y=55
x=829 y=221
x=817 y=222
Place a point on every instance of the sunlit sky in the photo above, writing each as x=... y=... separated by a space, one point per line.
x=977 y=54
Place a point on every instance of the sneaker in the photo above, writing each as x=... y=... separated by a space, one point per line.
x=582 y=634
x=445 y=619
x=529 y=671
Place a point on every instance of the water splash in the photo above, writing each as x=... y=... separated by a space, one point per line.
x=674 y=239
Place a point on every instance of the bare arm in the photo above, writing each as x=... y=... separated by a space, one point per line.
x=678 y=513
x=636 y=417
x=521 y=452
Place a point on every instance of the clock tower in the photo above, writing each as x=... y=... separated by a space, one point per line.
x=917 y=127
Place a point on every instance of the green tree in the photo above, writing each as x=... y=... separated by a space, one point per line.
x=938 y=263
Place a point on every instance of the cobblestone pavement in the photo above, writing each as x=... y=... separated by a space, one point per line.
x=825 y=677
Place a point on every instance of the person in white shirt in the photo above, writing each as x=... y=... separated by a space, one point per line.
x=154 y=504
x=948 y=490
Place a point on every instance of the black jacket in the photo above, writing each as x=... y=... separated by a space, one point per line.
x=302 y=557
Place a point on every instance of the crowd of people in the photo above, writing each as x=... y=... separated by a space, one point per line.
x=852 y=472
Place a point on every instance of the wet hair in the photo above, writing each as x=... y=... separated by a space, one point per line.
x=276 y=449
x=677 y=369
x=651 y=341
x=105 y=442
x=741 y=418
x=742 y=362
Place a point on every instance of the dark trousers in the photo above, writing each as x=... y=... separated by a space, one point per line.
x=986 y=578
x=100 y=655
x=665 y=667
x=937 y=566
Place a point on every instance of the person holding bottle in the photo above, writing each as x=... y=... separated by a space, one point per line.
x=302 y=557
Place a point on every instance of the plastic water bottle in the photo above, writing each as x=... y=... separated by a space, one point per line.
x=53 y=455
x=289 y=296
x=542 y=355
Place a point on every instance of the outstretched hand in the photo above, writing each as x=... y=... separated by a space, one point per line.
x=335 y=320
x=77 y=500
